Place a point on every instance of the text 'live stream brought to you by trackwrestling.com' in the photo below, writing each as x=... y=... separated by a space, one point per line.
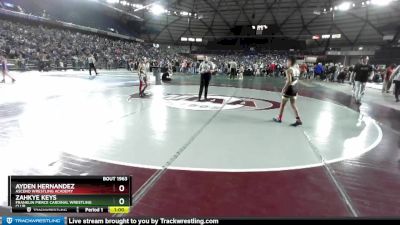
x=134 y=221
x=59 y=220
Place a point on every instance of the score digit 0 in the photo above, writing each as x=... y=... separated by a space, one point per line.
x=121 y=188
x=121 y=201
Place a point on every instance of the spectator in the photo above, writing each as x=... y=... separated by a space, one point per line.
x=318 y=71
x=386 y=79
x=396 y=80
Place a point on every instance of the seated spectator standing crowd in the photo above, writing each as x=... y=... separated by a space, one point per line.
x=48 y=48
x=45 y=48
x=36 y=46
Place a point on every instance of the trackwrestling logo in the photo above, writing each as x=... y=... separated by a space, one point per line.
x=215 y=102
x=26 y=220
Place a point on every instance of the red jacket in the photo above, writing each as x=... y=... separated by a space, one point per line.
x=389 y=72
x=272 y=67
x=303 y=68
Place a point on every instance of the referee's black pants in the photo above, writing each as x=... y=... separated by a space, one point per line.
x=91 y=66
x=233 y=73
x=204 y=82
x=396 y=89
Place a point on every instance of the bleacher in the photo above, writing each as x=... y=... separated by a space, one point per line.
x=387 y=54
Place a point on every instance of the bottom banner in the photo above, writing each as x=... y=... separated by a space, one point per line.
x=136 y=221
x=19 y=220
x=202 y=221
x=32 y=220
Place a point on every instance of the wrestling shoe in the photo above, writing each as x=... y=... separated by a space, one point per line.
x=297 y=123
x=277 y=120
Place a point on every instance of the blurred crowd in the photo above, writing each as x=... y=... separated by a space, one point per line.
x=252 y=64
x=33 y=46
x=49 y=48
x=337 y=72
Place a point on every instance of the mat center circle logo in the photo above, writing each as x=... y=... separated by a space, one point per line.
x=217 y=102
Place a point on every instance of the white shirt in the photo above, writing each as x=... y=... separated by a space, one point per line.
x=396 y=74
x=233 y=65
x=142 y=70
x=295 y=72
x=91 y=59
x=205 y=67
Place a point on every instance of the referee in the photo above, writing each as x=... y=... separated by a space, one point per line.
x=92 y=61
x=233 y=67
x=206 y=69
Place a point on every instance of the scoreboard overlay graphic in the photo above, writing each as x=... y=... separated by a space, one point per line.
x=88 y=194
